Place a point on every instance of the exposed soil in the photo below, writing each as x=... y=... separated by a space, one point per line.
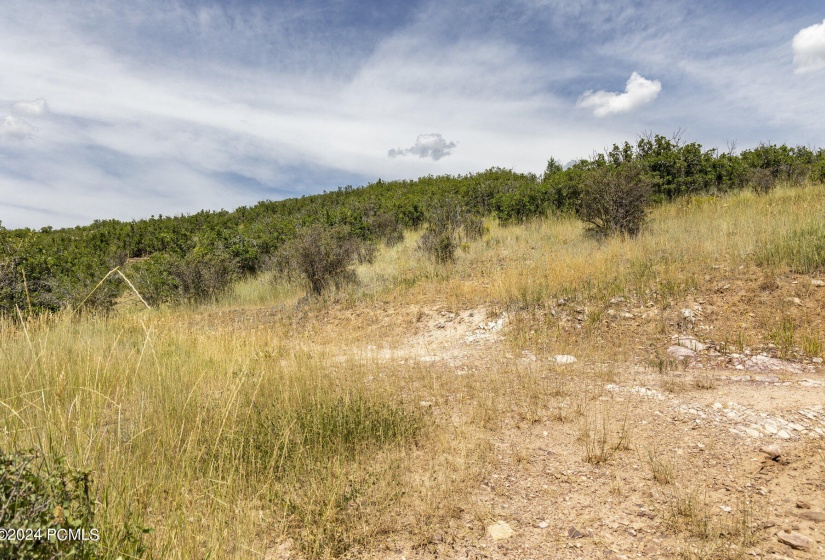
x=713 y=455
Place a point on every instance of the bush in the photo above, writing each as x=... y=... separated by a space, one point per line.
x=322 y=255
x=38 y=497
x=614 y=199
x=762 y=181
x=202 y=276
x=448 y=225
x=199 y=276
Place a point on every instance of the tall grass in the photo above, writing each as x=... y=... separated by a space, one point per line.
x=221 y=443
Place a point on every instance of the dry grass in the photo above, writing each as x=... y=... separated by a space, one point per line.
x=266 y=421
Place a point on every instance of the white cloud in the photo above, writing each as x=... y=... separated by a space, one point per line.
x=431 y=146
x=33 y=108
x=809 y=49
x=639 y=91
x=14 y=127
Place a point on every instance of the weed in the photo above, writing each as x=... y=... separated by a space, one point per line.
x=601 y=438
x=811 y=346
x=705 y=381
x=662 y=468
x=784 y=336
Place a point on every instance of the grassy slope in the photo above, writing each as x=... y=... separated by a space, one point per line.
x=231 y=427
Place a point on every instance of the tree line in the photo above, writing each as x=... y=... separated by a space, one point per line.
x=194 y=257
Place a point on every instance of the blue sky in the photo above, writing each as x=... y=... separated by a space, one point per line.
x=125 y=110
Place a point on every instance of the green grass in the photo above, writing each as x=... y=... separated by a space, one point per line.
x=801 y=249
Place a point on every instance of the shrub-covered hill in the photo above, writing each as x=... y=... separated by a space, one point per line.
x=191 y=257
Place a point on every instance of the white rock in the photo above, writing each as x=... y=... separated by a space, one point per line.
x=690 y=343
x=771 y=428
x=499 y=531
x=782 y=434
x=565 y=359
x=680 y=353
x=818 y=283
x=752 y=433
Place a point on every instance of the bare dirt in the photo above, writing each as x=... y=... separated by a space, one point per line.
x=739 y=450
x=713 y=452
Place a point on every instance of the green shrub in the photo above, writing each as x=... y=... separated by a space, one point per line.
x=200 y=276
x=614 y=199
x=439 y=243
x=448 y=225
x=43 y=500
x=322 y=255
x=762 y=181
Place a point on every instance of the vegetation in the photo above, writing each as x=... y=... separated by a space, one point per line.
x=42 y=502
x=614 y=200
x=196 y=257
x=209 y=430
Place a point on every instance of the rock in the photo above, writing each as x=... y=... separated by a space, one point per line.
x=574 y=533
x=752 y=433
x=680 y=353
x=772 y=451
x=816 y=360
x=794 y=540
x=771 y=428
x=803 y=504
x=815 y=516
x=499 y=531
x=782 y=434
x=543 y=525
x=818 y=283
x=565 y=359
x=690 y=343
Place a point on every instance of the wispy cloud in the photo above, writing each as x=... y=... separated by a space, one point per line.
x=431 y=146
x=638 y=91
x=34 y=108
x=15 y=128
x=166 y=106
x=809 y=49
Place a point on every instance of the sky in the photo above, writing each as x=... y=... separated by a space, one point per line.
x=126 y=110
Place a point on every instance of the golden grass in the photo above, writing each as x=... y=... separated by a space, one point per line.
x=262 y=421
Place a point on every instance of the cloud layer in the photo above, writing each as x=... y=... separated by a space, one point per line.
x=113 y=110
x=432 y=146
x=638 y=91
x=809 y=49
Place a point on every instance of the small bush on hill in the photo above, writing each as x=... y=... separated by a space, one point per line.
x=322 y=255
x=762 y=181
x=447 y=226
x=614 y=199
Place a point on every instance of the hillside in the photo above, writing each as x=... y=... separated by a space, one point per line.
x=547 y=393
x=194 y=258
